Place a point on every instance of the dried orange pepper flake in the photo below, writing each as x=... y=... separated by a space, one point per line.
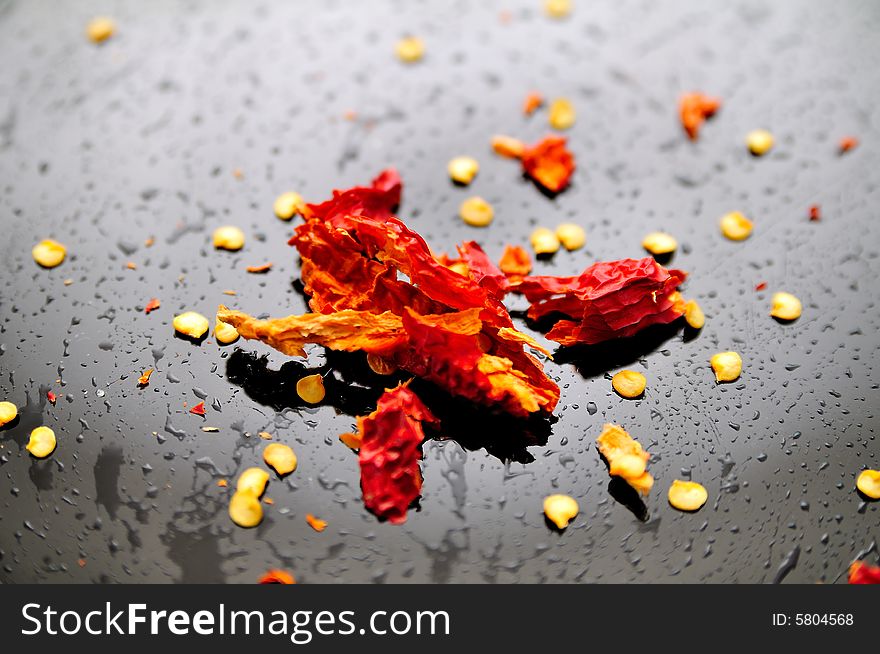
x=629 y=383
x=263 y=267
x=144 y=379
x=507 y=146
x=557 y=8
x=532 y=102
x=287 y=205
x=228 y=237
x=847 y=143
x=311 y=389
x=100 y=28
x=736 y=226
x=462 y=170
x=562 y=114
x=252 y=481
x=544 y=241
x=410 y=49
x=191 y=324
x=225 y=333
x=623 y=454
x=316 y=523
x=658 y=243
x=694 y=109
x=687 y=495
x=572 y=237
x=476 y=212
x=152 y=305
x=280 y=457
x=276 y=576
x=869 y=483
x=515 y=261
x=41 y=442
x=727 y=366
x=49 y=253
x=198 y=409
x=245 y=509
x=351 y=440
x=759 y=142
x=8 y=412
x=560 y=509
x=785 y=306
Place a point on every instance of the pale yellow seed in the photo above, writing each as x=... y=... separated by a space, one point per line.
x=49 y=253
x=727 y=366
x=557 y=8
x=476 y=212
x=245 y=510
x=8 y=412
x=659 y=243
x=280 y=457
x=571 y=236
x=228 y=238
x=191 y=324
x=287 y=205
x=693 y=314
x=628 y=466
x=41 y=442
x=562 y=114
x=253 y=481
x=736 y=226
x=629 y=383
x=225 y=333
x=687 y=495
x=100 y=29
x=410 y=49
x=785 y=306
x=544 y=241
x=869 y=483
x=311 y=389
x=759 y=142
x=560 y=509
x=462 y=170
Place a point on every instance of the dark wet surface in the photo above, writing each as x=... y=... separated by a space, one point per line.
x=105 y=147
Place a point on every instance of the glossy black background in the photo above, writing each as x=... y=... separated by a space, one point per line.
x=102 y=147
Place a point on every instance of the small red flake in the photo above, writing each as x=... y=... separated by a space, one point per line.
x=862 y=573
x=198 y=409
x=532 y=102
x=51 y=397
x=847 y=143
x=152 y=305
x=694 y=109
x=277 y=577
x=81 y=563
x=760 y=286
x=815 y=213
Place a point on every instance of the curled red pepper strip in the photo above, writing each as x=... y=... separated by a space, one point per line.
x=862 y=573
x=549 y=163
x=391 y=439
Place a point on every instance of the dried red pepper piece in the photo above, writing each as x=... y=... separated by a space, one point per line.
x=760 y=286
x=549 y=163
x=847 y=143
x=52 y=397
x=198 y=409
x=532 y=102
x=481 y=269
x=391 y=439
x=862 y=573
x=612 y=299
x=515 y=261
x=276 y=576
x=815 y=213
x=694 y=109
x=379 y=200
x=152 y=305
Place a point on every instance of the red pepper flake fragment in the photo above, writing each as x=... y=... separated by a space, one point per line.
x=613 y=299
x=198 y=409
x=51 y=397
x=144 y=379
x=266 y=267
x=152 y=305
x=391 y=438
x=863 y=573
x=222 y=483
x=847 y=143
x=532 y=102
x=815 y=213
x=81 y=563
x=694 y=109
x=515 y=261
x=275 y=576
x=549 y=163
x=760 y=286
x=316 y=523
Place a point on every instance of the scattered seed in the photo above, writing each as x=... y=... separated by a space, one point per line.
x=476 y=212
x=727 y=366
x=620 y=451
x=100 y=28
x=225 y=333
x=380 y=365
x=228 y=238
x=785 y=306
x=629 y=383
x=736 y=226
x=245 y=510
x=252 y=481
x=544 y=241
x=687 y=495
x=49 y=253
x=759 y=142
x=8 y=412
x=562 y=114
x=191 y=324
x=287 y=205
x=462 y=170
x=560 y=510
x=410 y=49
x=557 y=8
x=693 y=314
x=41 y=442
x=869 y=483
x=311 y=389
x=572 y=237
x=658 y=243
x=280 y=457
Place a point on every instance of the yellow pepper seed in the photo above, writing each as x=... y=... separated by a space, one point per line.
x=617 y=446
x=8 y=412
x=410 y=49
x=562 y=114
x=311 y=389
x=759 y=142
x=462 y=170
x=42 y=442
x=252 y=481
x=785 y=306
x=629 y=383
x=100 y=28
x=628 y=466
x=228 y=238
x=507 y=146
x=280 y=457
x=687 y=495
x=49 y=253
x=544 y=241
x=476 y=212
x=287 y=205
x=658 y=243
x=380 y=365
x=191 y=324
x=869 y=483
x=560 y=510
x=571 y=236
x=225 y=333
x=245 y=510
x=693 y=315
x=727 y=366
x=736 y=226
x=557 y=8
